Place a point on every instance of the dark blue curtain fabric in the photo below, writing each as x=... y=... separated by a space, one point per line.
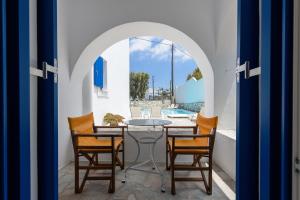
x=14 y=98
x=47 y=102
x=287 y=100
x=3 y=108
x=264 y=152
x=247 y=177
x=276 y=99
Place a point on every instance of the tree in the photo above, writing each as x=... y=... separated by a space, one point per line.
x=196 y=74
x=139 y=84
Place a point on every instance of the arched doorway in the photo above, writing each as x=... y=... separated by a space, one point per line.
x=110 y=37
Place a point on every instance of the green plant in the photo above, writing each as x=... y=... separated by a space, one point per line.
x=196 y=74
x=112 y=120
x=139 y=84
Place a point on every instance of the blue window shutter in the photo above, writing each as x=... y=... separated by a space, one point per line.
x=98 y=72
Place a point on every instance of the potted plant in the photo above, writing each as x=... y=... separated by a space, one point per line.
x=112 y=119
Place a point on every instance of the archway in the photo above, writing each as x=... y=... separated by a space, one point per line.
x=136 y=29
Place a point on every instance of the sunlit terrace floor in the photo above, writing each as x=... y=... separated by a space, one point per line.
x=142 y=186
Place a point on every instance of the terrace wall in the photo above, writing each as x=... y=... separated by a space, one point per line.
x=191 y=91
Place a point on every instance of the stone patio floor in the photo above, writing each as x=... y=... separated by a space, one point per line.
x=142 y=186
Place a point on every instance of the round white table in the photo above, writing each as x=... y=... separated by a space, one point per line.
x=151 y=139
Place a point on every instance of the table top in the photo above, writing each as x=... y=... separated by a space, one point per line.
x=148 y=122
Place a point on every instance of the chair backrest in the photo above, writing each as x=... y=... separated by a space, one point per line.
x=155 y=111
x=82 y=124
x=135 y=112
x=206 y=124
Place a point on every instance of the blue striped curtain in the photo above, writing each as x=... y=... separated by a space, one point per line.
x=276 y=99
x=14 y=101
x=247 y=167
x=47 y=95
x=264 y=153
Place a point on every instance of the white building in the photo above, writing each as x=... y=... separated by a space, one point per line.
x=190 y=92
x=149 y=93
x=115 y=97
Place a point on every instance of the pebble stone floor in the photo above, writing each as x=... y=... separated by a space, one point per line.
x=139 y=186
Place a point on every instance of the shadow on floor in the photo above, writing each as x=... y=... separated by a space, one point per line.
x=140 y=186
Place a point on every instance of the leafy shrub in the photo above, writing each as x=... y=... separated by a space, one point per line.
x=112 y=120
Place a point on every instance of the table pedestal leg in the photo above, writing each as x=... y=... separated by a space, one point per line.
x=134 y=166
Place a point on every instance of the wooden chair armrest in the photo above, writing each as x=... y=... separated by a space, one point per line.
x=97 y=135
x=110 y=135
x=181 y=127
x=193 y=147
x=93 y=147
x=174 y=135
x=197 y=147
x=114 y=127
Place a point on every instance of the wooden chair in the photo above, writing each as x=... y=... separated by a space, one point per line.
x=86 y=144
x=200 y=144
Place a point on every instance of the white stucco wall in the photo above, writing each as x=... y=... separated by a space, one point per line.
x=87 y=94
x=190 y=92
x=117 y=99
x=68 y=103
x=225 y=151
x=210 y=24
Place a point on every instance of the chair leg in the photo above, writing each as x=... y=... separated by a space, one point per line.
x=123 y=156
x=173 y=190
x=85 y=178
x=167 y=158
x=113 y=173
x=118 y=162
x=91 y=163
x=203 y=176
x=210 y=175
x=110 y=187
x=97 y=159
x=121 y=164
x=195 y=160
x=112 y=181
x=76 y=168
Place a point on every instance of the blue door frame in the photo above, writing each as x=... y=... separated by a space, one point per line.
x=276 y=99
x=248 y=103
x=264 y=161
x=271 y=174
x=287 y=100
x=3 y=111
x=14 y=97
x=47 y=102
x=15 y=112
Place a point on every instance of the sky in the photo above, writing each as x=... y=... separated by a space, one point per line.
x=154 y=58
